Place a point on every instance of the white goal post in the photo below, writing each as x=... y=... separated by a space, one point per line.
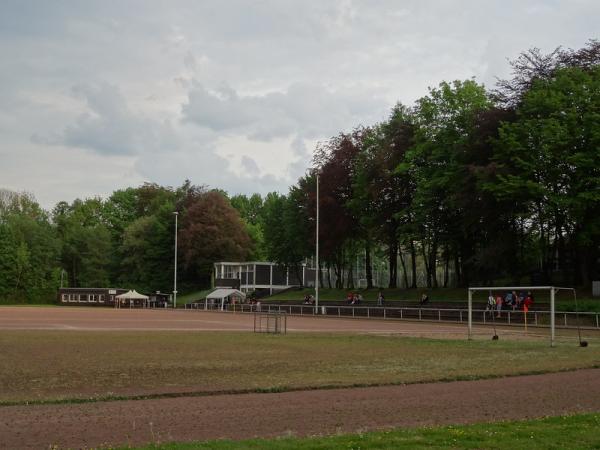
x=552 y=289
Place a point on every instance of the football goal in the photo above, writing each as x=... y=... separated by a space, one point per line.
x=270 y=322
x=551 y=289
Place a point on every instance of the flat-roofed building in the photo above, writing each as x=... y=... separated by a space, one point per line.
x=105 y=297
x=261 y=275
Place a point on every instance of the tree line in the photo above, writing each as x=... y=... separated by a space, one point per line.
x=490 y=186
x=126 y=240
x=468 y=185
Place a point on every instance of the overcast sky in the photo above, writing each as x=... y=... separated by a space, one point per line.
x=101 y=95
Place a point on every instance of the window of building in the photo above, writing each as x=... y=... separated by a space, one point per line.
x=101 y=298
x=230 y=272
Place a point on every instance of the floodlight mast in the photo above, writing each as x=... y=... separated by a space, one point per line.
x=317 y=269
x=175 y=268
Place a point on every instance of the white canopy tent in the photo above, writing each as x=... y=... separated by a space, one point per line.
x=222 y=295
x=132 y=296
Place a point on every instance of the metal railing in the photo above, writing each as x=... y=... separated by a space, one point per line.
x=507 y=317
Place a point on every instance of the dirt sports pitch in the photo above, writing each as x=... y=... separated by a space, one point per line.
x=170 y=413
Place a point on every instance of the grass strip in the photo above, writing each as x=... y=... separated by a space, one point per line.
x=275 y=389
x=38 y=366
x=572 y=431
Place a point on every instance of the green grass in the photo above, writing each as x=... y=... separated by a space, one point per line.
x=564 y=299
x=42 y=366
x=584 y=305
x=191 y=296
x=371 y=294
x=573 y=432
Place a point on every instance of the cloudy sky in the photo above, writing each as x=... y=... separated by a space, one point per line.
x=101 y=95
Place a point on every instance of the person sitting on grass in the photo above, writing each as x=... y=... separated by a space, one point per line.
x=349 y=298
x=424 y=299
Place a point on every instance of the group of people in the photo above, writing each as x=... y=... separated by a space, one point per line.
x=309 y=299
x=354 y=298
x=511 y=300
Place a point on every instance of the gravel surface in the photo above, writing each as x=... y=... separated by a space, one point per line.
x=298 y=413
x=106 y=319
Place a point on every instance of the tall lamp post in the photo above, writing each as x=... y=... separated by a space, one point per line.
x=175 y=269
x=317 y=269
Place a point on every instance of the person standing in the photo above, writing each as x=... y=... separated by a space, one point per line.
x=380 y=299
x=491 y=303
x=498 y=305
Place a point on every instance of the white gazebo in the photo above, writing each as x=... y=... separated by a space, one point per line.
x=132 y=296
x=221 y=296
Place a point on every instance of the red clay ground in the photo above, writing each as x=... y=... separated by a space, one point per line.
x=82 y=318
x=298 y=413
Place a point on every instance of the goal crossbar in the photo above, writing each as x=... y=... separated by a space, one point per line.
x=552 y=289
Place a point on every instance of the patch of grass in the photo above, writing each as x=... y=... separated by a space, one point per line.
x=396 y=297
x=30 y=305
x=577 y=431
x=41 y=366
x=391 y=295
x=584 y=305
x=191 y=296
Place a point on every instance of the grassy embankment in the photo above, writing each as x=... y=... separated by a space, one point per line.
x=564 y=299
x=574 y=432
x=68 y=366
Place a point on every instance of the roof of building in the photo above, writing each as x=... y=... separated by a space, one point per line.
x=222 y=293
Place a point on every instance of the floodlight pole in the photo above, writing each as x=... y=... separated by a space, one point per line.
x=175 y=269
x=470 y=314
x=552 y=318
x=317 y=269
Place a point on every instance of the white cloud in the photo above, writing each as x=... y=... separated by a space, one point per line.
x=212 y=91
x=305 y=110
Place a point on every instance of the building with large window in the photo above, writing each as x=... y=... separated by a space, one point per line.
x=261 y=275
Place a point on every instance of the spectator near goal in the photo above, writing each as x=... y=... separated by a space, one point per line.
x=498 y=305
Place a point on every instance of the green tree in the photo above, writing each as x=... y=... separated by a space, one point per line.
x=549 y=163
x=28 y=250
x=211 y=231
x=445 y=121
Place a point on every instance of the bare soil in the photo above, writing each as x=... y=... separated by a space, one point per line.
x=109 y=319
x=298 y=413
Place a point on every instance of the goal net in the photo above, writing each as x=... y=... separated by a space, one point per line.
x=270 y=322
x=501 y=290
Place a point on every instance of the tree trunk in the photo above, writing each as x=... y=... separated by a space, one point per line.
x=350 y=280
x=393 y=263
x=320 y=275
x=413 y=258
x=426 y=263
x=369 y=269
x=446 y=266
x=458 y=270
x=433 y=264
x=404 y=274
x=329 y=274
